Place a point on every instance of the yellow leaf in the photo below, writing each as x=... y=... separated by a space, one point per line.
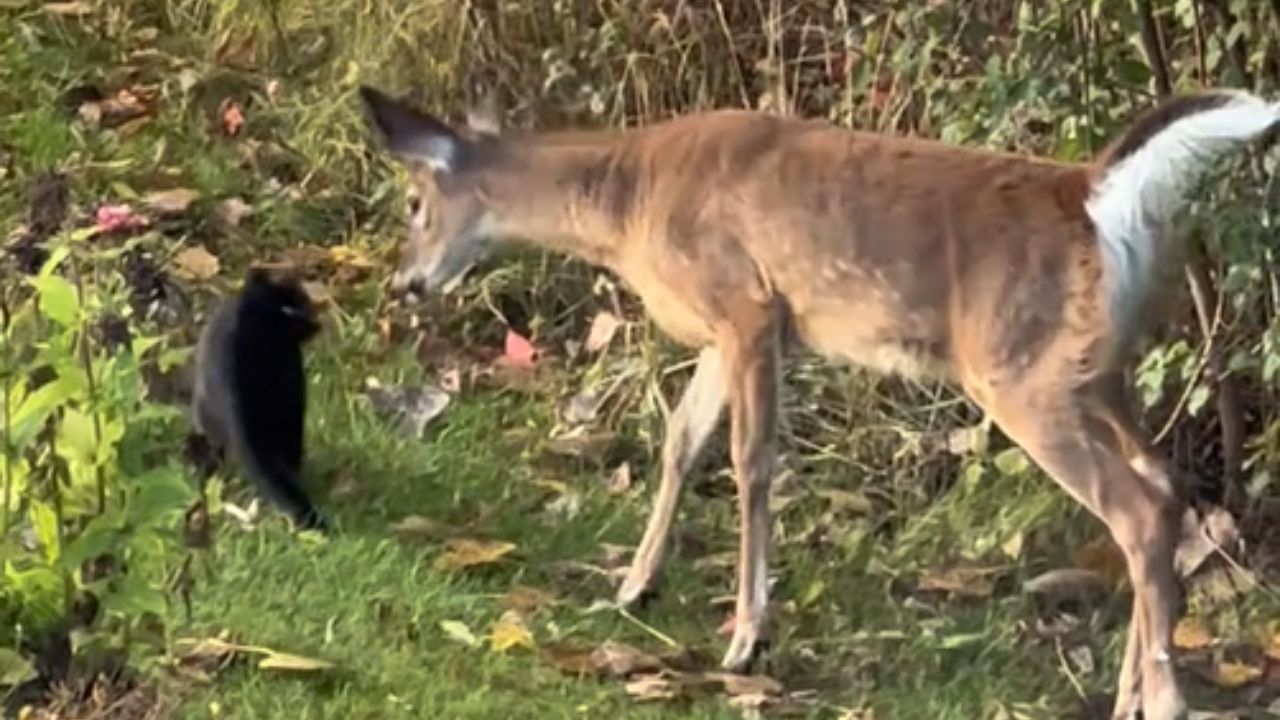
x=459 y=631
x=285 y=661
x=170 y=202
x=558 y=487
x=1190 y=634
x=509 y=632
x=464 y=552
x=347 y=255
x=1231 y=674
x=196 y=263
x=1104 y=557
x=1273 y=651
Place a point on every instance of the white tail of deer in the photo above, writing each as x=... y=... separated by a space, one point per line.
x=1019 y=279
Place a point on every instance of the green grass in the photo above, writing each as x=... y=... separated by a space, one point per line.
x=371 y=601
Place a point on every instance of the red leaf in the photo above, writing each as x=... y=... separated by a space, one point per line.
x=519 y=351
x=111 y=218
x=232 y=118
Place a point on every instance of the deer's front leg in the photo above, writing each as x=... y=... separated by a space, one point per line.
x=687 y=431
x=752 y=358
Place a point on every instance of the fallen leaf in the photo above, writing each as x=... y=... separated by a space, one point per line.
x=1231 y=674
x=113 y=111
x=518 y=351
x=345 y=487
x=195 y=263
x=843 y=500
x=526 y=599
x=582 y=444
x=220 y=649
x=735 y=684
x=230 y=212
x=170 y=202
x=960 y=580
x=619 y=480
x=351 y=257
x=649 y=688
x=569 y=658
x=465 y=552
x=458 y=631
x=1273 y=650
x=285 y=661
x=1012 y=547
x=603 y=327
x=1081 y=658
x=119 y=217
x=75 y=9
x=620 y=660
x=509 y=632
x=418 y=526
x=232 y=116
x=1191 y=634
x=412 y=407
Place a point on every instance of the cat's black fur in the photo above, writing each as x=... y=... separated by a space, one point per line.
x=250 y=392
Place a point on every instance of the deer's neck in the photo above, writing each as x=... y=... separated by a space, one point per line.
x=568 y=194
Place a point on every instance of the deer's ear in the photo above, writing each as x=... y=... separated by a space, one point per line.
x=410 y=134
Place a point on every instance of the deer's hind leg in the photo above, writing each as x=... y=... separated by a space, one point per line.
x=1084 y=437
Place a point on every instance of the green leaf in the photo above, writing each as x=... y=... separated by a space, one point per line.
x=14 y=669
x=75 y=437
x=1011 y=461
x=460 y=632
x=1197 y=400
x=99 y=537
x=159 y=494
x=45 y=523
x=58 y=299
x=135 y=597
x=35 y=409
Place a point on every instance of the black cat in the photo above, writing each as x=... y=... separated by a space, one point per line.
x=250 y=391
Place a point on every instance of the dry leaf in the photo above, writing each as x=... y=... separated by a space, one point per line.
x=170 y=202
x=619 y=480
x=509 y=632
x=620 y=660
x=113 y=111
x=75 y=9
x=230 y=212
x=418 y=526
x=960 y=580
x=843 y=500
x=464 y=552
x=195 y=263
x=1231 y=674
x=603 y=327
x=568 y=658
x=351 y=257
x=285 y=661
x=1191 y=634
x=525 y=599
x=1273 y=651
x=735 y=684
x=648 y=688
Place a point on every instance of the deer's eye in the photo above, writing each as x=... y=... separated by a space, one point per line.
x=415 y=204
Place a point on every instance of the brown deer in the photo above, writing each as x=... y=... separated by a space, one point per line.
x=1022 y=280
